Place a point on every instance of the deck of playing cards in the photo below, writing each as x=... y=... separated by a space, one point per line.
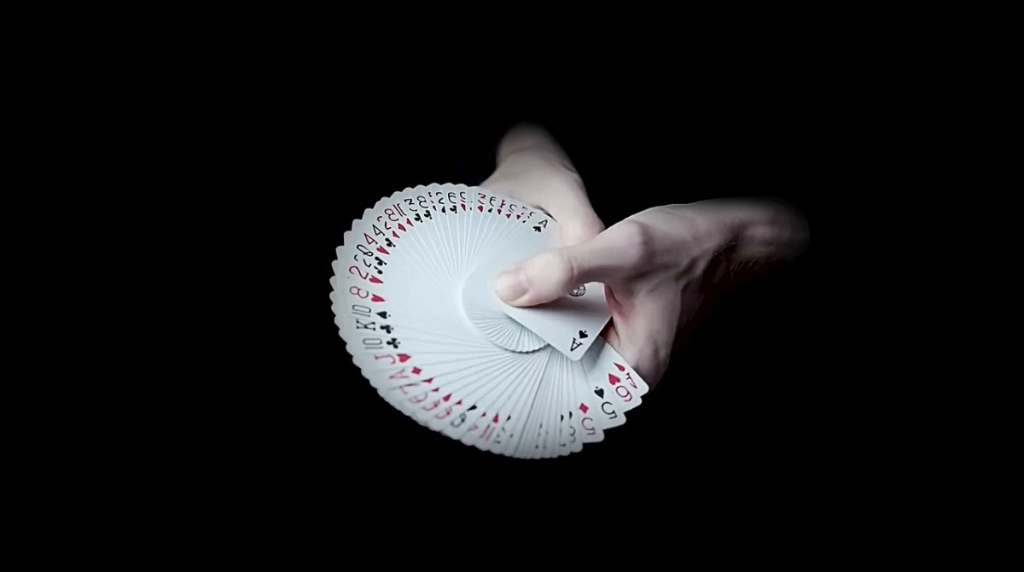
x=413 y=298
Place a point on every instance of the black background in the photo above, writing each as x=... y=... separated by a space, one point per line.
x=244 y=411
x=745 y=399
x=748 y=414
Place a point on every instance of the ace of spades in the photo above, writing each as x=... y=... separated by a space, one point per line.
x=570 y=323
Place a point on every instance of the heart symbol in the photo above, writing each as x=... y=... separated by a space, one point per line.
x=612 y=380
x=599 y=392
x=375 y=280
x=402 y=358
x=480 y=208
x=583 y=334
x=620 y=367
x=401 y=227
x=377 y=298
x=381 y=250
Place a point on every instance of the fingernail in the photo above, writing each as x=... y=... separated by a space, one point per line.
x=510 y=285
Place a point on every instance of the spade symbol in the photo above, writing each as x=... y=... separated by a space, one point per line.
x=583 y=334
x=379 y=271
x=383 y=315
x=490 y=210
x=536 y=228
x=599 y=392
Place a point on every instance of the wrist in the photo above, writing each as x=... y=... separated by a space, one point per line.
x=756 y=234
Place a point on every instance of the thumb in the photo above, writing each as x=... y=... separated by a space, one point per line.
x=553 y=274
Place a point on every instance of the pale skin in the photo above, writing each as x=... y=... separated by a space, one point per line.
x=661 y=267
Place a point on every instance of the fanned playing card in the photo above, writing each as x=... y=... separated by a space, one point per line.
x=413 y=299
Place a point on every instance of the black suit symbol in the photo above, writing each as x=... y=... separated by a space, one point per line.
x=393 y=342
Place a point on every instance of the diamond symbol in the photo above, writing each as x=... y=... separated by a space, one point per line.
x=416 y=371
x=583 y=407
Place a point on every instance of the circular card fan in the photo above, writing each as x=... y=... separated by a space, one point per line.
x=413 y=299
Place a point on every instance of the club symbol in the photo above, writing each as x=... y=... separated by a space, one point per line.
x=386 y=328
x=389 y=243
x=393 y=342
x=577 y=291
x=379 y=261
x=417 y=218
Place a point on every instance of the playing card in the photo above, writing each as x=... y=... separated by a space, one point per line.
x=412 y=296
x=571 y=323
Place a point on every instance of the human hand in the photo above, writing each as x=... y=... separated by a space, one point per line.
x=533 y=168
x=657 y=269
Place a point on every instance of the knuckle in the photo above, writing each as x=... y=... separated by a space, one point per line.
x=566 y=266
x=638 y=239
x=551 y=270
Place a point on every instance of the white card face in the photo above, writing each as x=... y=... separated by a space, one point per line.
x=571 y=323
x=413 y=300
x=483 y=309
